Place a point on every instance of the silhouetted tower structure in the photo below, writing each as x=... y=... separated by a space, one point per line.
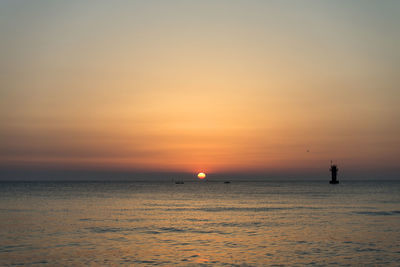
x=334 y=170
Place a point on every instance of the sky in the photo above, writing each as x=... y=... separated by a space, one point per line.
x=240 y=87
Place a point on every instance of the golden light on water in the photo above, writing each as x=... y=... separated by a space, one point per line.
x=127 y=102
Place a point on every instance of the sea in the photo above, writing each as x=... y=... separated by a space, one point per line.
x=200 y=223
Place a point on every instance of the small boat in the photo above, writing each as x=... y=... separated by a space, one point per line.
x=227 y=182
x=179 y=182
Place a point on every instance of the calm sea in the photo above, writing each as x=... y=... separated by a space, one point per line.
x=200 y=223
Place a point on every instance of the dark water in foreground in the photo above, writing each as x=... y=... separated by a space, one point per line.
x=198 y=223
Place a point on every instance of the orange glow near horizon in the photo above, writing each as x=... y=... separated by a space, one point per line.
x=196 y=89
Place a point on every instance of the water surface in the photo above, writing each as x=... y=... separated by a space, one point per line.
x=200 y=223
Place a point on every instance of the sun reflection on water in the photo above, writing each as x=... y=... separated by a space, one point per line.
x=197 y=223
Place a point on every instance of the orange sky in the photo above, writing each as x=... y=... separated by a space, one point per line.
x=199 y=86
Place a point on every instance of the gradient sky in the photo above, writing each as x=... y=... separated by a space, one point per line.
x=187 y=86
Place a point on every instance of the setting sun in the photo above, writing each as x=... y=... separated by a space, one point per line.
x=201 y=175
x=282 y=108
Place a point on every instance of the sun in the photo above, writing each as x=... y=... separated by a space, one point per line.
x=201 y=175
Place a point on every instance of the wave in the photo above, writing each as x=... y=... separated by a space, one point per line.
x=379 y=213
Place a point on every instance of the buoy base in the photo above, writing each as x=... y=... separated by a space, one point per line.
x=333 y=182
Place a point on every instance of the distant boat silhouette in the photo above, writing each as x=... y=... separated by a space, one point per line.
x=227 y=182
x=179 y=182
x=334 y=170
